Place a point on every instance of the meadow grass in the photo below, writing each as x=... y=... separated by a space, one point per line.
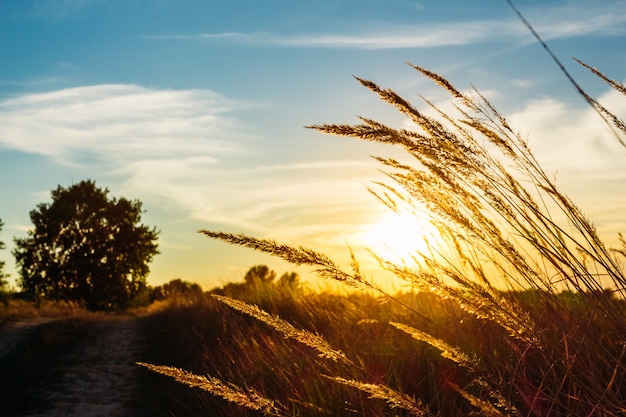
x=534 y=319
x=16 y=309
x=390 y=365
x=239 y=349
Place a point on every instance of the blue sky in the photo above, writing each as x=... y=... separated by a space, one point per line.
x=197 y=109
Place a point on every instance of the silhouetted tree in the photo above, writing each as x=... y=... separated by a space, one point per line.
x=289 y=279
x=259 y=274
x=85 y=246
x=177 y=288
x=257 y=280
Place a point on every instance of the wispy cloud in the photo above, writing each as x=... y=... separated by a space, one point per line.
x=575 y=147
x=118 y=123
x=550 y=22
x=424 y=37
x=261 y=200
x=188 y=151
x=578 y=20
x=568 y=137
x=563 y=135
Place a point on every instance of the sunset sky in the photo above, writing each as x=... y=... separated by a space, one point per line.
x=197 y=108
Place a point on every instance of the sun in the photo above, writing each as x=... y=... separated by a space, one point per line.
x=402 y=237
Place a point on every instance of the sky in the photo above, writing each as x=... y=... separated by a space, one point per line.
x=197 y=108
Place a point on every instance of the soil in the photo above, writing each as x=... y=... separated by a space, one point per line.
x=93 y=375
x=14 y=333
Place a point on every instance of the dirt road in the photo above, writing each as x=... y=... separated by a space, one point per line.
x=94 y=373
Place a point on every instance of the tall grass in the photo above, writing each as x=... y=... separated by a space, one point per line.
x=219 y=341
x=520 y=259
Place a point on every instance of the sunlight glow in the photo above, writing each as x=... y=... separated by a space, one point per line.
x=402 y=237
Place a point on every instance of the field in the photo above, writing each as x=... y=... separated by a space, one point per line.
x=250 y=354
x=81 y=363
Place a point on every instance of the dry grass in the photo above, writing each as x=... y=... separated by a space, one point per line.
x=217 y=341
x=520 y=257
x=16 y=309
x=248 y=398
x=307 y=338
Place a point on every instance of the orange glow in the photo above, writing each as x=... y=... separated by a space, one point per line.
x=402 y=237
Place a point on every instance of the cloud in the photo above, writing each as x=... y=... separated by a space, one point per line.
x=578 y=20
x=155 y=142
x=186 y=151
x=575 y=147
x=574 y=138
x=525 y=83
x=423 y=37
x=114 y=124
x=314 y=199
x=563 y=135
x=550 y=22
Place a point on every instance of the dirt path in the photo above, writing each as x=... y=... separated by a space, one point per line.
x=14 y=333
x=96 y=377
x=98 y=381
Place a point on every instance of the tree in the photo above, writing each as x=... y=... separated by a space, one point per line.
x=86 y=246
x=289 y=280
x=259 y=274
x=177 y=289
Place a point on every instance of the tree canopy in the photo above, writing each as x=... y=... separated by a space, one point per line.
x=259 y=279
x=176 y=289
x=259 y=274
x=86 y=246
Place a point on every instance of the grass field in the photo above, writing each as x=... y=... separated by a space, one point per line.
x=378 y=361
x=219 y=341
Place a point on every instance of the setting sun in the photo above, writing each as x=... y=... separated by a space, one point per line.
x=401 y=237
